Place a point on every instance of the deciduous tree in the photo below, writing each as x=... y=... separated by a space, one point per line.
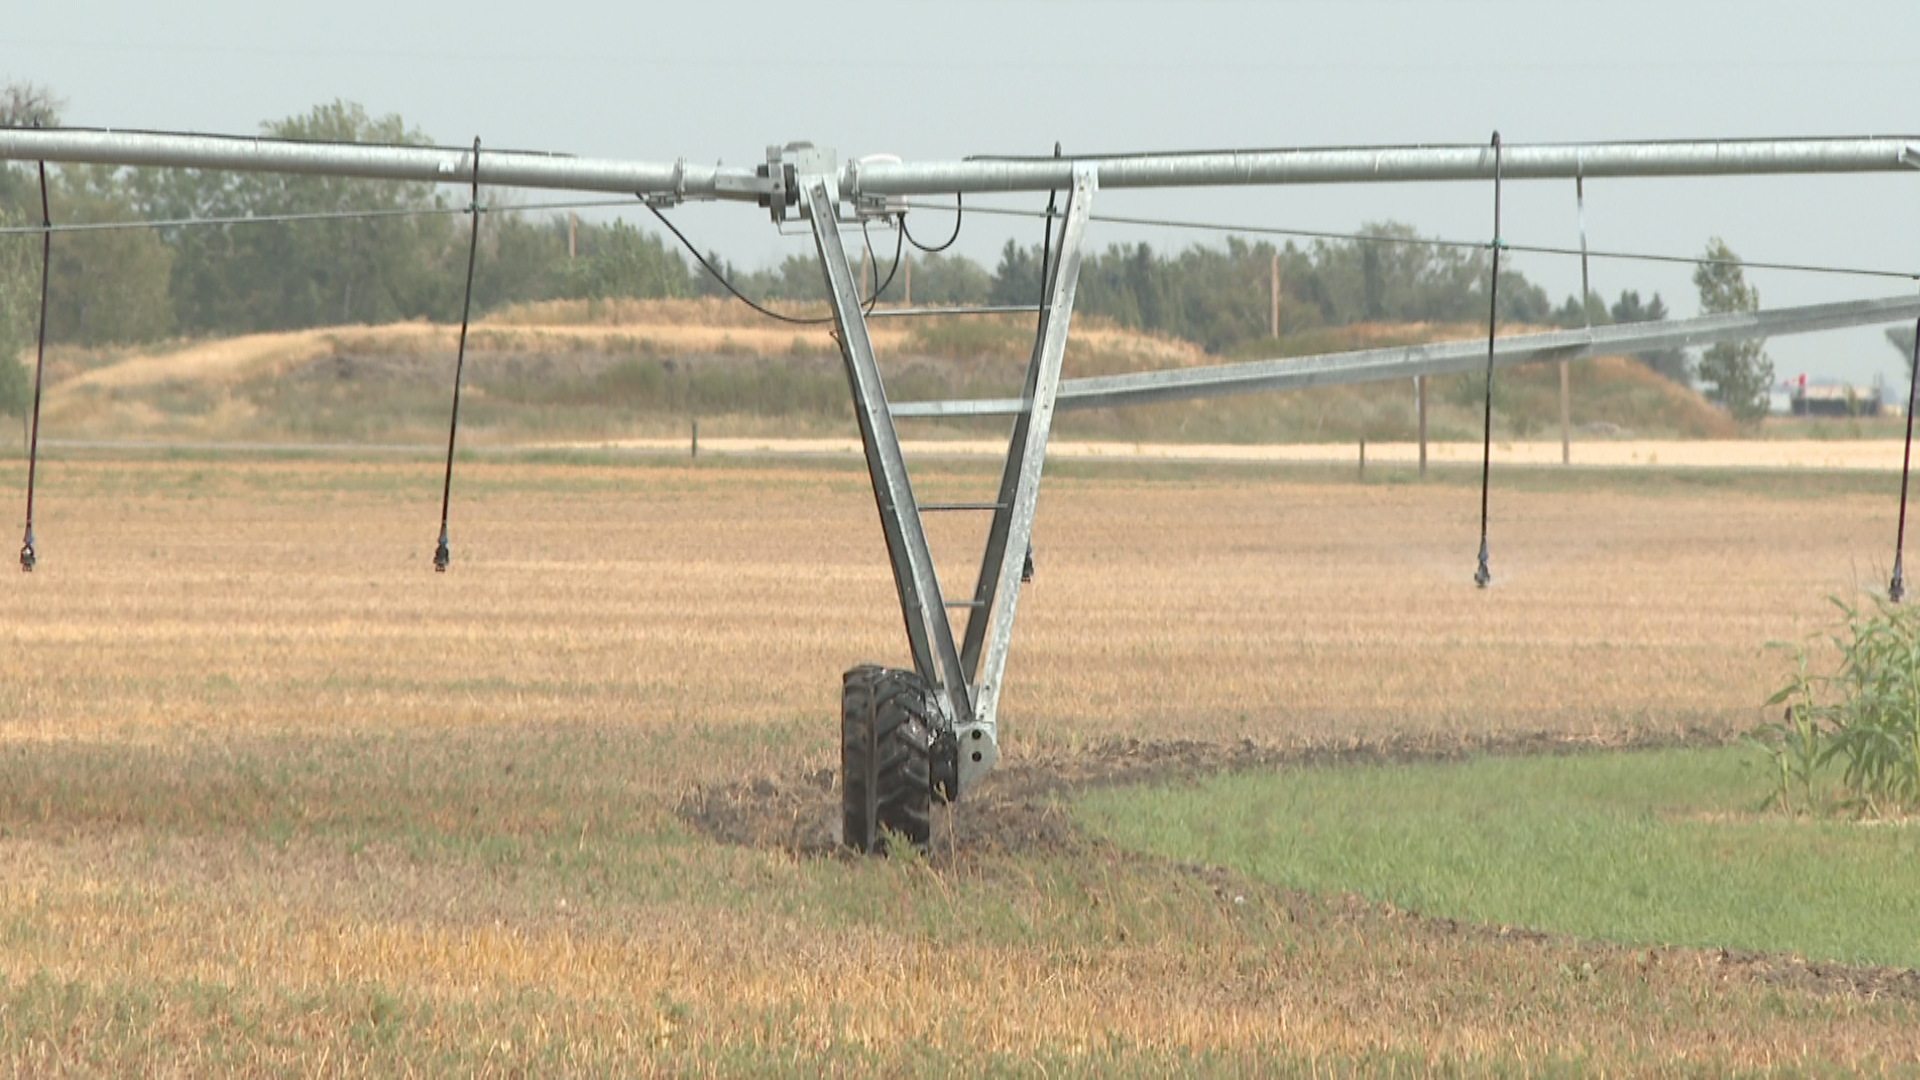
x=285 y=275
x=108 y=287
x=1738 y=374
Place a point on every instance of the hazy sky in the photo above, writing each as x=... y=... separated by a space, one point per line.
x=720 y=81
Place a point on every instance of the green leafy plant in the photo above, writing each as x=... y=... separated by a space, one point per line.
x=1865 y=716
x=1793 y=743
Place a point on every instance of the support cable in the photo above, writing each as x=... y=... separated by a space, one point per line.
x=1586 y=297
x=1580 y=212
x=959 y=211
x=1897 y=588
x=1110 y=219
x=316 y=215
x=28 y=557
x=1482 y=575
x=1442 y=242
x=441 y=555
x=1046 y=246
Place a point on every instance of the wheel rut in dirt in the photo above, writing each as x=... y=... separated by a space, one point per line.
x=1023 y=808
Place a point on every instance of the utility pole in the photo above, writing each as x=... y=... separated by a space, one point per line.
x=908 y=255
x=1566 y=419
x=573 y=235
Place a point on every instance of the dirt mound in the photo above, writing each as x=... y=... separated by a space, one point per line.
x=1617 y=395
x=802 y=816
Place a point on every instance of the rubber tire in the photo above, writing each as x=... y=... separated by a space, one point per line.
x=885 y=744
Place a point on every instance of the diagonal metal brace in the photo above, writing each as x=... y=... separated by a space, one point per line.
x=990 y=621
x=928 y=632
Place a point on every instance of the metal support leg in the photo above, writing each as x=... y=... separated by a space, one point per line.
x=930 y=635
x=998 y=590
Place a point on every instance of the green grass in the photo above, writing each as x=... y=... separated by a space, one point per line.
x=1648 y=848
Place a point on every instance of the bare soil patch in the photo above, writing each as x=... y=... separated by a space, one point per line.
x=1019 y=808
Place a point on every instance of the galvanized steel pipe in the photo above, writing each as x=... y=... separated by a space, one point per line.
x=498 y=168
x=1398 y=164
x=882 y=179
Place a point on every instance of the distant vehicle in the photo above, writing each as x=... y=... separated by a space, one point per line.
x=1833 y=399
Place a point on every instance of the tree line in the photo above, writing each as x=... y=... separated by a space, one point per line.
x=138 y=285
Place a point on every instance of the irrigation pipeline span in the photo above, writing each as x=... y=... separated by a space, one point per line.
x=681 y=179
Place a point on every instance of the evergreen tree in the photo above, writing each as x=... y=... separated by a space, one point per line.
x=943 y=279
x=1017 y=279
x=1673 y=363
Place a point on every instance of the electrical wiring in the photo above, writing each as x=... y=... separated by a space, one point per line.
x=959 y=212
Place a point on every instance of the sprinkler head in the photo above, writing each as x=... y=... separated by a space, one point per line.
x=27 y=558
x=1481 y=574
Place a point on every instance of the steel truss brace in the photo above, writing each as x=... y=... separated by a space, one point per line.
x=967 y=706
x=1444 y=358
x=929 y=635
x=998 y=591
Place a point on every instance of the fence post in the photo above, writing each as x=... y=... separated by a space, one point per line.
x=1420 y=394
x=1275 y=325
x=1566 y=419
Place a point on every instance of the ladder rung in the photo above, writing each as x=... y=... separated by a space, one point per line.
x=936 y=507
x=994 y=309
x=966 y=603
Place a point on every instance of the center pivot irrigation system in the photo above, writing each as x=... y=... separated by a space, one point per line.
x=910 y=736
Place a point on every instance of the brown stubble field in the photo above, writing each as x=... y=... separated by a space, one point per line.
x=276 y=799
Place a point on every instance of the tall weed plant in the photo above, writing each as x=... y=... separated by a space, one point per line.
x=1865 y=716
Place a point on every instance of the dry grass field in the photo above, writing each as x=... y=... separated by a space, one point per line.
x=275 y=799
